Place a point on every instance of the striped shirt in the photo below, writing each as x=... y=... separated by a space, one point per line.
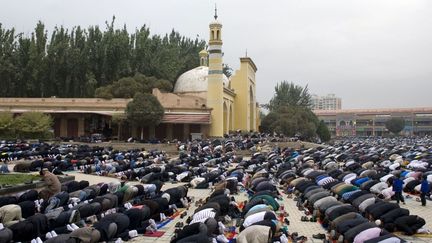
x=325 y=181
x=203 y=215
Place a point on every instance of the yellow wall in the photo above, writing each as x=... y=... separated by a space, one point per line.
x=215 y=81
x=242 y=81
x=229 y=113
x=258 y=118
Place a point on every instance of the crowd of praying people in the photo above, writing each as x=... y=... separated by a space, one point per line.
x=352 y=187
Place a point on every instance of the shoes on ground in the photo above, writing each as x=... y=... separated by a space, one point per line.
x=319 y=236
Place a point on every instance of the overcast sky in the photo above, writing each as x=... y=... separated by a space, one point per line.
x=371 y=53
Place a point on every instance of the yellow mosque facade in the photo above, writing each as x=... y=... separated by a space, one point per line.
x=204 y=103
x=232 y=100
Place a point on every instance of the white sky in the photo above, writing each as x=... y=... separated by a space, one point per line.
x=371 y=53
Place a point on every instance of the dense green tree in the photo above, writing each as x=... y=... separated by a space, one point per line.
x=129 y=86
x=323 y=132
x=290 y=112
x=395 y=125
x=7 y=129
x=144 y=110
x=75 y=62
x=291 y=121
x=33 y=125
x=8 y=61
x=290 y=94
x=125 y=88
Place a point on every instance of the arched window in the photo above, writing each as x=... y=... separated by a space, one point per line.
x=217 y=35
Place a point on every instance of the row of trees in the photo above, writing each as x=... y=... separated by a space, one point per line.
x=74 y=63
x=28 y=125
x=290 y=114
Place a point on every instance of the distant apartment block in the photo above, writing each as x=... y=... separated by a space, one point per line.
x=328 y=102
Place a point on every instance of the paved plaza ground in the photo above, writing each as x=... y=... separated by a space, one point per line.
x=303 y=228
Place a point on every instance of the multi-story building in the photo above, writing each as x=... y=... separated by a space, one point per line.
x=371 y=122
x=328 y=102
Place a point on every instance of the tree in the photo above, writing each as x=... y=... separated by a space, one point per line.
x=290 y=94
x=144 y=110
x=290 y=112
x=125 y=88
x=75 y=62
x=395 y=125
x=33 y=125
x=291 y=121
x=129 y=86
x=323 y=132
x=6 y=125
x=104 y=92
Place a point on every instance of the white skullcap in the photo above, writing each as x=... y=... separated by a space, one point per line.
x=378 y=222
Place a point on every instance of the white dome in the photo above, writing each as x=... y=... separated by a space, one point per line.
x=195 y=80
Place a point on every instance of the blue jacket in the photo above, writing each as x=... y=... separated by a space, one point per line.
x=397 y=185
x=424 y=186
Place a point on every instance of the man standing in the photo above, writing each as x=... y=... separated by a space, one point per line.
x=397 y=188
x=424 y=189
x=52 y=182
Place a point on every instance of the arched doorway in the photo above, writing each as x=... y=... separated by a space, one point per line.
x=251 y=109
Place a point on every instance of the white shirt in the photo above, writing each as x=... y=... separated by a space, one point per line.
x=377 y=188
x=386 y=177
x=366 y=203
x=251 y=219
x=388 y=192
x=203 y=215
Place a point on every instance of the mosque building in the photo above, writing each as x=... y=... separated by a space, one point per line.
x=205 y=103
x=233 y=101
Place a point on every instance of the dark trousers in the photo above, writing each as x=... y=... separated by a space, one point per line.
x=399 y=197
x=423 y=198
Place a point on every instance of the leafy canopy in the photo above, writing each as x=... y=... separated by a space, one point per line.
x=129 y=86
x=33 y=125
x=7 y=129
x=75 y=62
x=290 y=114
x=144 y=110
x=395 y=125
x=290 y=94
x=323 y=132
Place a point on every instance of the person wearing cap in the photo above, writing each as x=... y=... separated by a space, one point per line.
x=52 y=182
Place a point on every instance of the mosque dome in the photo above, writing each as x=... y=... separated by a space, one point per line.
x=195 y=80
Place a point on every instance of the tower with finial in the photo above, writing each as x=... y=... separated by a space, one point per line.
x=215 y=77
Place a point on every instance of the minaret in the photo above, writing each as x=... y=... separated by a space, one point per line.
x=203 y=55
x=215 y=78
